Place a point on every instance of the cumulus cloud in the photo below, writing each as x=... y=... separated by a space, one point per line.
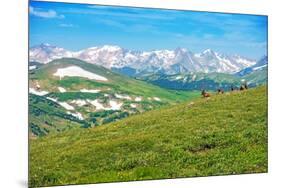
x=44 y=14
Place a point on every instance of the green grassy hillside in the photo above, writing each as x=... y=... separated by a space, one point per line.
x=226 y=134
x=134 y=97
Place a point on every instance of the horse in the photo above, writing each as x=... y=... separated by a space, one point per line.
x=243 y=87
x=220 y=91
x=205 y=94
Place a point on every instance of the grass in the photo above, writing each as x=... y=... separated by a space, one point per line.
x=226 y=134
x=47 y=117
x=116 y=83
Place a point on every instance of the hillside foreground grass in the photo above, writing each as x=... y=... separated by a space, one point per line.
x=226 y=134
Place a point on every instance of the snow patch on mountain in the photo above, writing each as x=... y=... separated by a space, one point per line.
x=156 y=98
x=79 y=102
x=90 y=90
x=36 y=92
x=260 y=67
x=138 y=99
x=113 y=105
x=74 y=71
x=61 y=89
x=119 y=96
x=66 y=106
x=76 y=114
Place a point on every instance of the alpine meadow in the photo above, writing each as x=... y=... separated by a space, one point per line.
x=124 y=94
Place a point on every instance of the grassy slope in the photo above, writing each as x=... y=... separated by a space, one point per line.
x=46 y=117
x=224 y=135
x=116 y=82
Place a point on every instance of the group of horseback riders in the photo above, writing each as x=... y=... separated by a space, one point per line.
x=243 y=86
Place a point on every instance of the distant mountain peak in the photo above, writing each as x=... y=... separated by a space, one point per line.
x=208 y=51
x=180 y=60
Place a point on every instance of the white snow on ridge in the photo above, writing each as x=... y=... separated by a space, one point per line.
x=178 y=78
x=193 y=77
x=35 y=92
x=97 y=104
x=66 y=106
x=61 y=89
x=90 y=90
x=138 y=99
x=79 y=102
x=78 y=72
x=260 y=67
x=123 y=96
x=133 y=105
x=113 y=105
x=245 y=62
x=157 y=98
x=77 y=115
x=52 y=99
x=63 y=104
x=112 y=56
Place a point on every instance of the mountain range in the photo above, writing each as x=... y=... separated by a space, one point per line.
x=135 y=63
x=254 y=75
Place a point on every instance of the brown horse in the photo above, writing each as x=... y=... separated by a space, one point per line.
x=205 y=94
x=220 y=91
x=243 y=87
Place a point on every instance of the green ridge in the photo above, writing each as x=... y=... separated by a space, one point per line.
x=48 y=117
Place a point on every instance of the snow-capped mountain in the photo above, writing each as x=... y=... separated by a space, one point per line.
x=260 y=65
x=175 y=61
x=45 y=53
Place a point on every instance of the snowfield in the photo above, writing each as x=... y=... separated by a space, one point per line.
x=97 y=104
x=133 y=105
x=138 y=99
x=63 y=104
x=61 y=89
x=156 y=98
x=35 y=92
x=75 y=71
x=119 y=96
x=77 y=115
x=66 y=106
x=52 y=99
x=116 y=57
x=79 y=102
x=260 y=67
x=113 y=105
x=89 y=90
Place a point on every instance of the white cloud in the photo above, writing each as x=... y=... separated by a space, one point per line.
x=66 y=25
x=44 y=14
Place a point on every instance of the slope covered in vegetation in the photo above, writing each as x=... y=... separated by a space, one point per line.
x=226 y=134
x=59 y=103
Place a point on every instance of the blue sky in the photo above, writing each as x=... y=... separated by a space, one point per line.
x=78 y=26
